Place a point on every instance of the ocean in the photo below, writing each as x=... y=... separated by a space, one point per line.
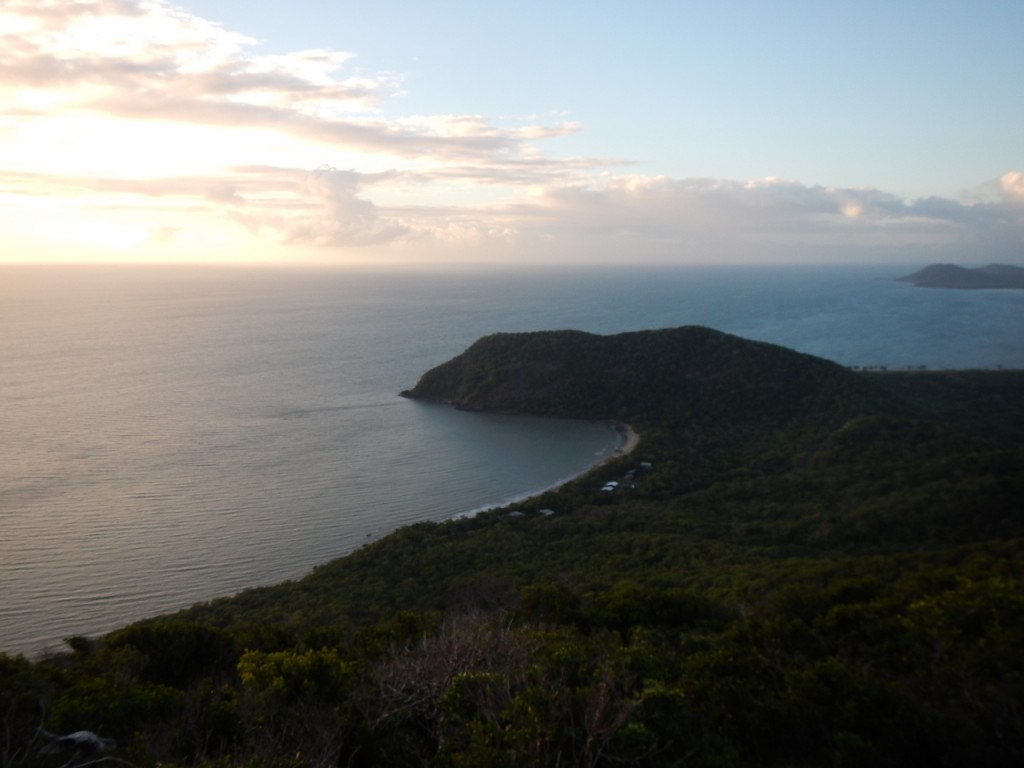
x=174 y=434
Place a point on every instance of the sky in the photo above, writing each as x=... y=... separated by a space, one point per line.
x=401 y=132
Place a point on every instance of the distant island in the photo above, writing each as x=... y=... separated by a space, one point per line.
x=991 y=276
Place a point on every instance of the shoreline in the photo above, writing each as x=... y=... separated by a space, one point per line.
x=629 y=439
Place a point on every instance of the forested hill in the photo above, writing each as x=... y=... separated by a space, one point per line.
x=708 y=401
x=799 y=566
x=681 y=374
x=717 y=399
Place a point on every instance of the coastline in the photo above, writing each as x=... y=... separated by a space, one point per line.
x=629 y=439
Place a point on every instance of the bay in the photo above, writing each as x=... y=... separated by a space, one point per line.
x=173 y=434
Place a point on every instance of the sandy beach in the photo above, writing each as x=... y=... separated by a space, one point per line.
x=629 y=439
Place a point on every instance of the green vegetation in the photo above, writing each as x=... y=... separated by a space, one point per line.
x=801 y=565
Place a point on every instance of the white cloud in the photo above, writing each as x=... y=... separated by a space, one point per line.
x=660 y=218
x=131 y=105
x=1011 y=185
x=171 y=125
x=152 y=61
x=341 y=216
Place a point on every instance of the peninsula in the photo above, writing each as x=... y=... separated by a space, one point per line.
x=992 y=276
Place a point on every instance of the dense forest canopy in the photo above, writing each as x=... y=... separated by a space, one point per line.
x=800 y=565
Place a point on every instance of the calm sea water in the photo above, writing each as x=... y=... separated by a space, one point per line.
x=171 y=435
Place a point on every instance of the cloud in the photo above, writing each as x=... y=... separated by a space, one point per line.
x=662 y=218
x=151 y=61
x=163 y=235
x=162 y=120
x=341 y=216
x=1006 y=190
x=1012 y=186
x=142 y=107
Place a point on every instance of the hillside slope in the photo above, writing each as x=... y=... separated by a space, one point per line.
x=687 y=373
